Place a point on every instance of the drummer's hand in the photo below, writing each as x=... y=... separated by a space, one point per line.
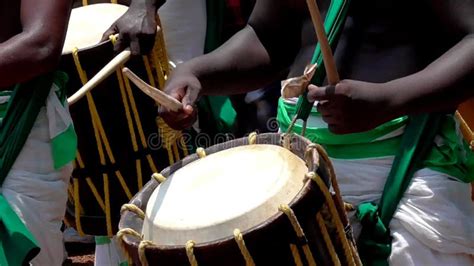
x=136 y=29
x=353 y=106
x=184 y=86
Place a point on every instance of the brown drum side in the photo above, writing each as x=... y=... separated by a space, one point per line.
x=109 y=102
x=466 y=116
x=466 y=113
x=268 y=243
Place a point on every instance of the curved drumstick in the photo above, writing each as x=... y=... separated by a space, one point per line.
x=329 y=64
x=157 y=95
x=108 y=69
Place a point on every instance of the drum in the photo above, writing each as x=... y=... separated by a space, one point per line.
x=116 y=124
x=262 y=200
x=465 y=115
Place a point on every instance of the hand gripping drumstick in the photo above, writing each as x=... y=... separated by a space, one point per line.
x=108 y=69
x=159 y=96
x=329 y=64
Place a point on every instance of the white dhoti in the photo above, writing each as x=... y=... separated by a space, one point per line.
x=434 y=222
x=36 y=191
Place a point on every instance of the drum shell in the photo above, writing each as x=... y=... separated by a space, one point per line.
x=268 y=243
x=466 y=111
x=110 y=106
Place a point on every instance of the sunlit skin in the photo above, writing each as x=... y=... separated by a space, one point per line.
x=394 y=58
x=31 y=38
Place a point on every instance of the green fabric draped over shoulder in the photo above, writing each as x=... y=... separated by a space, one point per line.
x=374 y=243
x=219 y=110
x=17 y=244
x=416 y=145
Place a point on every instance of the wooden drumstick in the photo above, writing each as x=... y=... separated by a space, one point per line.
x=106 y=71
x=156 y=94
x=329 y=63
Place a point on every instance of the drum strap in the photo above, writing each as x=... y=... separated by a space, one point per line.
x=17 y=244
x=374 y=243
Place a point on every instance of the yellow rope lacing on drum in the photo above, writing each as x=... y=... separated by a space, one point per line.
x=299 y=232
x=170 y=138
x=162 y=71
x=158 y=177
x=252 y=138
x=334 y=214
x=160 y=55
x=332 y=175
x=132 y=208
x=327 y=240
x=97 y=133
x=296 y=255
x=129 y=231
x=144 y=244
x=201 y=153
x=243 y=248
x=190 y=252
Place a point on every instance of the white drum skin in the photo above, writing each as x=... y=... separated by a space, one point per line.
x=235 y=188
x=87 y=24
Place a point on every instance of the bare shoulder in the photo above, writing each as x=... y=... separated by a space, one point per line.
x=455 y=15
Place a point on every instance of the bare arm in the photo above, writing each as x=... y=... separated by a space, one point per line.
x=441 y=86
x=137 y=27
x=254 y=56
x=444 y=84
x=36 y=49
x=449 y=80
x=259 y=53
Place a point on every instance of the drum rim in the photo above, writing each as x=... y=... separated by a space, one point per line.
x=152 y=184
x=89 y=47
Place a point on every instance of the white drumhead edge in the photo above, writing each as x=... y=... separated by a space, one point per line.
x=236 y=188
x=88 y=23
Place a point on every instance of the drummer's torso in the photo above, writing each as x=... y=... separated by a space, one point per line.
x=9 y=19
x=382 y=40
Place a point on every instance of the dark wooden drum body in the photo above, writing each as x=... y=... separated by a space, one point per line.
x=317 y=233
x=120 y=141
x=466 y=116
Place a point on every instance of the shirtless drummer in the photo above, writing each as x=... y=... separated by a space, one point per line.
x=35 y=164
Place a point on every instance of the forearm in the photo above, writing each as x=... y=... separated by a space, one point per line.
x=147 y=5
x=440 y=86
x=242 y=64
x=25 y=56
x=36 y=48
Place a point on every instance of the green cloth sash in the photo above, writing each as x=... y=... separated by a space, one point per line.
x=17 y=244
x=450 y=154
x=217 y=108
x=374 y=243
x=333 y=24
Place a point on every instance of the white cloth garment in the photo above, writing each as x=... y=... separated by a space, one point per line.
x=184 y=24
x=434 y=223
x=37 y=192
x=109 y=253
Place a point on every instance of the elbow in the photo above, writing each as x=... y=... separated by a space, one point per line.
x=46 y=52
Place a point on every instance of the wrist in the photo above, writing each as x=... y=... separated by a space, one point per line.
x=396 y=99
x=149 y=6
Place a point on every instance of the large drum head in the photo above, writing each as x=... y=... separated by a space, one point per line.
x=207 y=199
x=88 y=23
